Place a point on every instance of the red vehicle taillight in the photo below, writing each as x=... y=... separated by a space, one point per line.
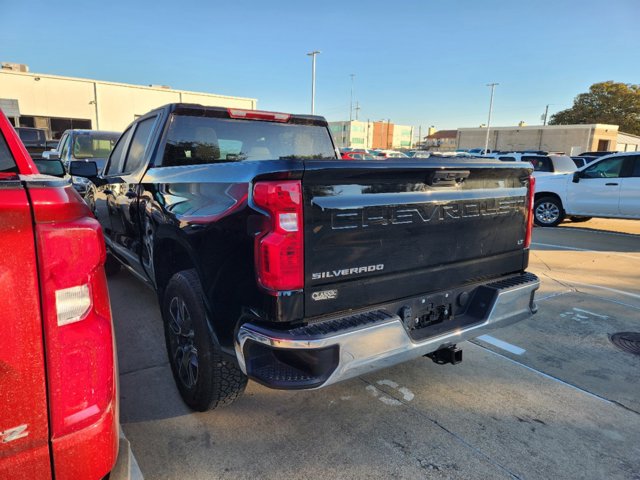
x=532 y=188
x=279 y=250
x=77 y=317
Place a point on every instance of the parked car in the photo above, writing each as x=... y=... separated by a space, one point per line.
x=35 y=140
x=542 y=164
x=581 y=161
x=479 y=151
x=58 y=377
x=83 y=145
x=607 y=187
x=359 y=156
x=349 y=155
x=389 y=154
x=274 y=260
x=418 y=154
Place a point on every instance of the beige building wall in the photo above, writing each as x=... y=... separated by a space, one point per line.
x=571 y=139
x=109 y=106
x=402 y=136
x=40 y=95
x=605 y=133
x=353 y=134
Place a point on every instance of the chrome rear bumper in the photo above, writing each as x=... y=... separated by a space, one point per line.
x=381 y=340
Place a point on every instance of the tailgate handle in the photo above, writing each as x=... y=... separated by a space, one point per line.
x=447 y=178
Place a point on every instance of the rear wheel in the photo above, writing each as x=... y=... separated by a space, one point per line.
x=205 y=379
x=548 y=211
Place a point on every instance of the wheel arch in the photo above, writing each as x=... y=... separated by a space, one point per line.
x=539 y=195
x=170 y=256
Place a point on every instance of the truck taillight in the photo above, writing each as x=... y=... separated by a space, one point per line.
x=279 y=248
x=258 y=115
x=77 y=318
x=531 y=200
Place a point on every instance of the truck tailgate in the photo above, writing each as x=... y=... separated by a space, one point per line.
x=383 y=230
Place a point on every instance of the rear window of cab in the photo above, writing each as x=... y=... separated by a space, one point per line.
x=203 y=140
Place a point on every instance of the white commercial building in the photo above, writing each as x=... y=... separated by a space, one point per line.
x=57 y=103
x=570 y=139
x=358 y=134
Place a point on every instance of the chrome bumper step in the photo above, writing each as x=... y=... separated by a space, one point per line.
x=323 y=353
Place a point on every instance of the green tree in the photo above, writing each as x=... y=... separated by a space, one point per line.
x=605 y=102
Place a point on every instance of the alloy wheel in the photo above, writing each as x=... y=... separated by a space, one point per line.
x=547 y=212
x=184 y=352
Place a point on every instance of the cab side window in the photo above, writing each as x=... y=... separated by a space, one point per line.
x=65 y=147
x=609 y=168
x=139 y=141
x=540 y=164
x=635 y=168
x=116 y=159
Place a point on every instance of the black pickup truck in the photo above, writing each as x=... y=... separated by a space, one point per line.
x=35 y=140
x=275 y=260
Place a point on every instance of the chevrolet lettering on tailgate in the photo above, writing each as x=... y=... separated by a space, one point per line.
x=432 y=212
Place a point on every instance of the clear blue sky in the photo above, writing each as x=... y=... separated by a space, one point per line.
x=422 y=62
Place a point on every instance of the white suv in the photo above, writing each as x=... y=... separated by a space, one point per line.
x=607 y=187
x=551 y=164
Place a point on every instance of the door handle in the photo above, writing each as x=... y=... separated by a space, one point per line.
x=611 y=184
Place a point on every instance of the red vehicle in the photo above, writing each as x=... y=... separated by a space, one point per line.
x=356 y=154
x=58 y=377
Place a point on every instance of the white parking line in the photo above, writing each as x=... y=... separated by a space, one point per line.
x=614 y=290
x=554 y=295
x=590 y=313
x=600 y=232
x=602 y=252
x=496 y=342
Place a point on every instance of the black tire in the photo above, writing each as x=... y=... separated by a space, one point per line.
x=580 y=219
x=111 y=266
x=205 y=379
x=548 y=211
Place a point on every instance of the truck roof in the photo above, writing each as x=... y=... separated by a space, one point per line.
x=84 y=131
x=226 y=112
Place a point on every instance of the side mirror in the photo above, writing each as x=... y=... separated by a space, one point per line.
x=50 y=167
x=51 y=155
x=576 y=177
x=83 y=169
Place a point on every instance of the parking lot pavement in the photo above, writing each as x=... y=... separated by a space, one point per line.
x=546 y=398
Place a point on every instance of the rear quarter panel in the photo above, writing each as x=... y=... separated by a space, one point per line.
x=205 y=212
x=24 y=434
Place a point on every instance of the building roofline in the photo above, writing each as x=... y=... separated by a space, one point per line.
x=120 y=84
x=629 y=134
x=549 y=127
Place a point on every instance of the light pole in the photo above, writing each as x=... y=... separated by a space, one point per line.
x=351 y=102
x=486 y=142
x=313 y=79
x=546 y=112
